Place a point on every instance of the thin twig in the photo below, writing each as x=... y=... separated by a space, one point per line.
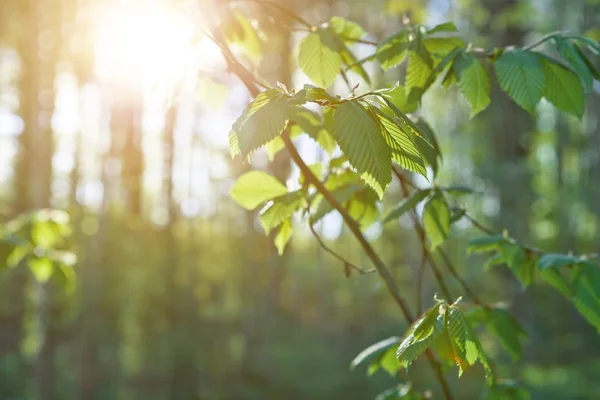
x=478 y=225
x=463 y=283
x=337 y=255
x=420 y=275
x=421 y=233
x=281 y=8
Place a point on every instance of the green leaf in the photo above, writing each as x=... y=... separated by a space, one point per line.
x=521 y=262
x=436 y=219
x=42 y=268
x=242 y=32
x=467 y=349
x=570 y=53
x=556 y=280
x=473 y=81
x=362 y=207
x=263 y=120
x=18 y=254
x=310 y=93
x=445 y=27
x=374 y=351
x=591 y=67
x=360 y=138
x=440 y=47
x=282 y=208
x=418 y=71
x=393 y=50
x=586 y=296
x=419 y=337
x=316 y=169
x=348 y=31
x=319 y=58
x=408 y=203
x=508 y=330
x=521 y=76
x=429 y=148
x=396 y=95
x=255 y=188
x=404 y=150
x=485 y=243
x=457 y=190
x=312 y=123
x=557 y=260
x=563 y=88
x=284 y=234
x=592 y=44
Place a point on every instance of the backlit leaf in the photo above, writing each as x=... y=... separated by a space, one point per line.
x=255 y=188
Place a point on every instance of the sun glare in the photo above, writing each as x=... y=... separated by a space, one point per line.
x=145 y=45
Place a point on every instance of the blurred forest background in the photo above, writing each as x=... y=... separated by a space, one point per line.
x=118 y=112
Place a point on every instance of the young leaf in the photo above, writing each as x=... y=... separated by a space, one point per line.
x=466 y=346
x=563 y=88
x=319 y=58
x=408 y=203
x=420 y=336
x=342 y=195
x=256 y=187
x=404 y=150
x=393 y=50
x=374 y=351
x=282 y=208
x=440 y=47
x=359 y=136
x=284 y=234
x=263 y=120
x=362 y=207
x=557 y=260
x=445 y=27
x=473 y=81
x=436 y=219
x=418 y=71
x=570 y=53
x=556 y=280
x=42 y=268
x=485 y=243
x=521 y=76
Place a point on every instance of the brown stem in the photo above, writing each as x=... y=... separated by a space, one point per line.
x=421 y=233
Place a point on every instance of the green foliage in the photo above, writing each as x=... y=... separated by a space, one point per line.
x=473 y=81
x=563 y=88
x=376 y=355
x=507 y=390
x=263 y=120
x=255 y=188
x=319 y=57
x=282 y=209
x=586 y=297
x=436 y=219
x=358 y=133
x=521 y=76
x=420 y=336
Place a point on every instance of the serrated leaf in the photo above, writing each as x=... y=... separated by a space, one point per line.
x=282 y=208
x=467 y=349
x=359 y=136
x=319 y=58
x=563 y=88
x=521 y=76
x=374 y=351
x=592 y=44
x=393 y=50
x=473 y=81
x=255 y=188
x=284 y=234
x=407 y=204
x=592 y=68
x=396 y=95
x=436 y=219
x=444 y=27
x=521 y=262
x=569 y=52
x=404 y=150
x=419 y=337
x=429 y=148
x=439 y=47
x=310 y=93
x=263 y=120
x=418 y=71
